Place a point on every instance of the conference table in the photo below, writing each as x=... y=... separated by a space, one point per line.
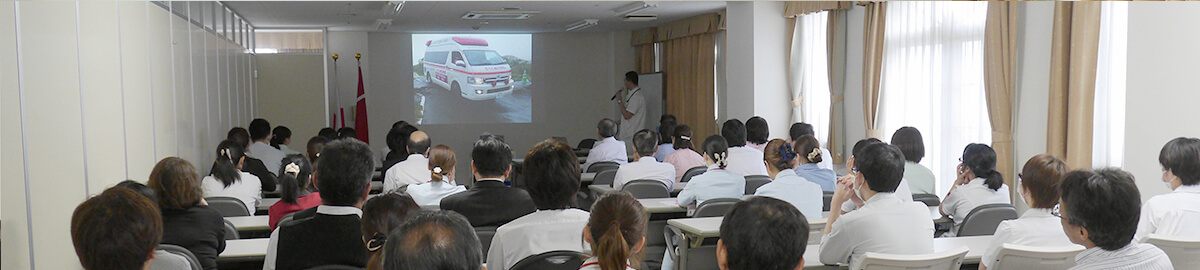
x=245 y=249
x=250 y=223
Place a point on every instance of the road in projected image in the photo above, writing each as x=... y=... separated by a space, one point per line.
x=443 y=107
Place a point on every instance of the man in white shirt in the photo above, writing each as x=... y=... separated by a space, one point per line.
x=260 y=134
x=608 y=148
x=903 y=192
x=800 y=129
x=1099 y=210
x=1168 y=214
x=885 y=223
x=645 y=142
x=742 y=159
x=415 y=169
x=631 y=104
x=552 y=179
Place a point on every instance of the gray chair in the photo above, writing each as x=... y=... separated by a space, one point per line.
x=755 y=181
x=1183 y=251
x=553 y=260
x=231 y=232
x=228 y=206
x=826 y=199
x=647 y=189
x=603 y=166
x=605 y=177
x=335 y=267
x=687 y=176
x=984 y=218
x=178 y=251
x=928 y=199
x=697 y=257
x=285 y=219
x=586 y=144
x=1013 y=256
x=485 y=235
x=652 y=254
x=715 y=207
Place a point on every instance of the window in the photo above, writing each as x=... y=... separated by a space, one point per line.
x=289 y=41
x=933 y=79
x=1108 y=139
x=810 y=72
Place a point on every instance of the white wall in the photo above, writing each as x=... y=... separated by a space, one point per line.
x=1033 y=85
x=293 y=94
x=757 y=77
x=95 y=93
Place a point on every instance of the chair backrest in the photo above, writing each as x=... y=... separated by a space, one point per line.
x=755 y=181
x=826 y=199
x=181 y=252
x=656 y=245
x=715 y=207
x=1184 y=252
x=603 y=166
x=702 y=258
x=553 y=260
x=605 y=177
x=334 y=267
x=228 y=206
x=647 y=189
x=586 y=144
x=946 y=260
x=231 y=232
x=561 y=139
x=693 y=172
x=285 y=219
x=984 y=219
x=1013 y=256
x=485 y=235
x=928 y=199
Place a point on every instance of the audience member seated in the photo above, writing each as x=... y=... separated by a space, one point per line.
x=1180 y=160
x=920 y=179
x=187 y=220
x=315 y=145
x=645 y=142
x=329 y=133
x=162 y=260
x=616 y=231
x=1099 y=210
x=440 y=240
x=118 y=229
x=490 y=202
x=281 y=137
x=1038 y=183
x=441 y=167
x=787 y=186
x=346 y=133
x=144 y=190
x=397 y=141
x=762 y=233
x=809 y=151
x=742 y=159
x=902 y=191
x=716 y=182
x=382 y=215
x=387 y=149
x=250 y=164
x=978 y=184
x=608 y=148
x=666 y=130
x=332 y=236
x=296 y=189
x=552 y=179
x=228 y=180
x=757 y=133
x=414 y=169
x=885 y=223
x=260 y=148
x=685 y=157
x=801 y=129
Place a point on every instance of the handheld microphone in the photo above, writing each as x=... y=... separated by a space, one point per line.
x=618 y=93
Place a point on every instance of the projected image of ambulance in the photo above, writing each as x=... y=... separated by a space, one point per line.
x=467 y=66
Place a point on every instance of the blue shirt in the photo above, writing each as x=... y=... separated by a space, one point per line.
x=825 y=178
x=804 y=195
x=712 y=184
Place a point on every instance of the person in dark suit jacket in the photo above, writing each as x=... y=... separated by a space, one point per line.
x=253 y=165
x=489 y=202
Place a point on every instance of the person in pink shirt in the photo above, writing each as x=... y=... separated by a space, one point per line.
x=685 y=156
x=296 y=189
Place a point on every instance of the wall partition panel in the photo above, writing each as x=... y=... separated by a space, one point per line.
x=100 y=80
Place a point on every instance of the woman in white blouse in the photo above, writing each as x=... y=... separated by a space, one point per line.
x=228 y=180
x=978 y=184
x=1165 y=214
x=805 y=195
x=441 y=163
x=1038 y=186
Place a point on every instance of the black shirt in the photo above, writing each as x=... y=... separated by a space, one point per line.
x=199 y=229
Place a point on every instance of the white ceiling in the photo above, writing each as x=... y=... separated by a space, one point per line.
x=445 y=16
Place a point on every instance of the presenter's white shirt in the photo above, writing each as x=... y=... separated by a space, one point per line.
x=412 y=171
x=746 y=161
x=248 y=189
x=536 y=233
x=271 y=158
x=645 y=168
x=1171 y=214
x=431 y=194
x=967 y=196
x=884 y=224
x=607 y=149
x=1036 y=227
x=635 y=103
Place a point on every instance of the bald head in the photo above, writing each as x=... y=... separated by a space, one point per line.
x=434 y=240
x=418 y=143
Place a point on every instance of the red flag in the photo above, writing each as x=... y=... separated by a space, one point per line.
x=360 y=110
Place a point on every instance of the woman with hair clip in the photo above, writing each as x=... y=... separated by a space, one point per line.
x=716 y=182
x=282 y=137
x=685 y=156
x=616 y=231
x=228 y=180
x=296 y=189
x=786 y=185
x=978 y=184
x=809 y=150
x=430 y=194
x=315 y=145
x=380 y=216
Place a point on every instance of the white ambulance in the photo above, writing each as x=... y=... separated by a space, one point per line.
x=468 y=66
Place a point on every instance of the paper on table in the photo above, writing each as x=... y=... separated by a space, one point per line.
x=670 y=203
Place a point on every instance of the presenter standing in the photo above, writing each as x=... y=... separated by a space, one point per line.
x=631 y=104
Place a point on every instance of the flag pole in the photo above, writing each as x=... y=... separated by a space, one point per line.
x=337 y=98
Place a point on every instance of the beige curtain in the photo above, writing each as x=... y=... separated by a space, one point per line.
x=643 y=43
x=999 y=46
x=837 y=84
x=791 y=9
x=873 y=64
x=1074 y=45
x=688 y=71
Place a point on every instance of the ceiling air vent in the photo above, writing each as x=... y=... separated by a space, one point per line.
x=640 y=17
x=498 y=15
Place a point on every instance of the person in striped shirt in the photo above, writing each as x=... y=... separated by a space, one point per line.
x=1099 y=210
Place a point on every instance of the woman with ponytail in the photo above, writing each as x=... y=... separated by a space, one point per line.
x=978 y=184
x=616 y=231
x=228 y=180
x=441 y=164
x=781 y=158
x=716 y=182
x=809 y=151
x=685 y=156
x=296 y=189
x=381 y=215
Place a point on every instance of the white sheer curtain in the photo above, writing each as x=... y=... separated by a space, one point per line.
x=810 y=72
x=1108 y=139
x=933 y=79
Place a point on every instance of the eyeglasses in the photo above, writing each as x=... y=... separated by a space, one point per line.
x=1057 y=212
x=854 y=169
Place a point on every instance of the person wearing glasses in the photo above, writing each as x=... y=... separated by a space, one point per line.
x=1166 y=214
x=1038 y=186
x=1099 y=210
x=978 y=184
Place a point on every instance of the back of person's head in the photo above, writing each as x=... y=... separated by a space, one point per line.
x=607 y=128
x=400 y=123
x=809 y=149
x=442 y=240
x=631 y=77
x=329 y=133
x=1040 y=178
x=176 y=182
x=294 y=174
x=981 y=159
x=260 y=129
x=762 y=233
x=315 y=145
x=281 y=134
x=779 y=154
x=144 y=190
x=667 y=118
x=1106 y=202
x=682 y=137
x=118 y=229
x=239 y=135
x=394 y=140
x=862 y=144
x=380 y=216
x=401 y=148
x=1181 y=157
x=441 y=162
x=665 y=131
x=344 y=172
x=909 y=140
x=229 y=155
x=491 y=156
x=882 y=166
x=734 y=132
x=418 y=143
x=716 y=149
x=346 y=132
x=552 y=175
x=617 y=228
x=800 y=129
x=644 y=142
x=757 y=130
